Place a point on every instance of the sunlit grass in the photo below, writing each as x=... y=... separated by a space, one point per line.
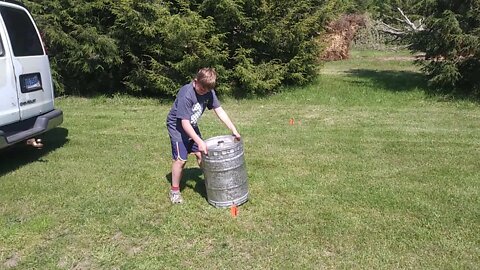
x=373 y=174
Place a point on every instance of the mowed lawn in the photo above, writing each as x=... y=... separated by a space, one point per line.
x=373 y=174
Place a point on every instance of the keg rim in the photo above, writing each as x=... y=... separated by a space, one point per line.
x=229 y=141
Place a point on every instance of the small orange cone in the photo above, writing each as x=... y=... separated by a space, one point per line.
x=234 y=210
x=292 y=121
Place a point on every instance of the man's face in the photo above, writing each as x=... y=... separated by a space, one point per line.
x=201 y=90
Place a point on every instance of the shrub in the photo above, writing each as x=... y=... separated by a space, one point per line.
x=152 y=47
x=452 y=46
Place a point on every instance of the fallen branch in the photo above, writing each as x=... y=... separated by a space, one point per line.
x=415 y=28
x=409 y=26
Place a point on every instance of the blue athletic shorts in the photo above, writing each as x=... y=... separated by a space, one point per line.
x=181 y=149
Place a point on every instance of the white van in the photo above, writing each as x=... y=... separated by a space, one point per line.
x=26 y=88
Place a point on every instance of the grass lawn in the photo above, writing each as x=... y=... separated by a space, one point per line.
x=373 y=174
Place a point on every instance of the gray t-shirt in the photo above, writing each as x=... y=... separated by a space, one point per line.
x=189 y=105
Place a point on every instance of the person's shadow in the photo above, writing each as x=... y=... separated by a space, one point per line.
x=20 y=154
x=191 y=179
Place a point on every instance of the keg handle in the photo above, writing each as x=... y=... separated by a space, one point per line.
x=220 y=143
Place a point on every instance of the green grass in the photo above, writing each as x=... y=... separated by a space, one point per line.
x=373 y=61
x=374 y=174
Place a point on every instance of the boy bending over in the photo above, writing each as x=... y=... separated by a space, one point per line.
x=182 y=123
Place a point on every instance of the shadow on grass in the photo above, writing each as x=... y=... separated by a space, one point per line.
x=404 y=81
x=391 y=80
x=21 y=154
x=191 y=179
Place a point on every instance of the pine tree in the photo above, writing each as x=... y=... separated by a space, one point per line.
x=452 y=46
x=450 y=39
x=152 y=47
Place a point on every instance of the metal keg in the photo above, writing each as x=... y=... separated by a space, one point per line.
x=225 y=171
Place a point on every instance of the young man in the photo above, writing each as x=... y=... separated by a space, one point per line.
x=182 y=123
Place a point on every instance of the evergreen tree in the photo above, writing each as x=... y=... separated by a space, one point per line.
x=270 y=42
x=152 y=47
x=452 y=46
x=161 y=49
x=450 y=39
x=84 y=55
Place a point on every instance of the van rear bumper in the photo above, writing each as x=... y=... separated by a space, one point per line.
x=26 y=129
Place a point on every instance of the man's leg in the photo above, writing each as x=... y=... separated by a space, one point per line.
x=177 y=169
x=179 y=155
x=37 y=143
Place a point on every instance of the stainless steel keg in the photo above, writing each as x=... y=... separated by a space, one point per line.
x=225 y=171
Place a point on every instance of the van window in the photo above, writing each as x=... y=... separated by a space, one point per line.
x=22 y=33
x=2 y=52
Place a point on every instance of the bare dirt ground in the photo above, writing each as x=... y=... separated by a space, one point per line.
x=402 y=58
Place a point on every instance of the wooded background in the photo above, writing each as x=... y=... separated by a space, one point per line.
x=152 y=47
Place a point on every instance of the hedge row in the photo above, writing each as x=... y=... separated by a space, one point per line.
x=152 y=47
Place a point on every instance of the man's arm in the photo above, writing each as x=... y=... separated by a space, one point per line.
x=222 y=115
x=202 y=146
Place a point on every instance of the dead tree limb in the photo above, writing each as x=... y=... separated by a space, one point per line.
x=408 y=26
x=415 y=28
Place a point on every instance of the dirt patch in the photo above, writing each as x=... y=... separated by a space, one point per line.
x=402 y=58
x=12 y=261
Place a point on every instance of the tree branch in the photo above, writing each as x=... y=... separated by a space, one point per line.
x=409 y=26
x=389 y=29
x=414 y=27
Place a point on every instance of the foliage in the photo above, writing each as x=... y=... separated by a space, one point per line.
x=451 y=40
x=452 y=44
x=372 y=175
x=152 y=47
x=269 y=42
x=162 y=50
x=83 y=54
x=370 y=37
x=339 y=36
x=387 y=10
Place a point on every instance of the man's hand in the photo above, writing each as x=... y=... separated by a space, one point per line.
x=222 y=115
x=237 y=135
x=202 y=147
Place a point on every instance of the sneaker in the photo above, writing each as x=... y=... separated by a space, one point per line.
x=176 y=197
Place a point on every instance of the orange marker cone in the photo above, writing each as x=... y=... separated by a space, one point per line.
x=292 y=121
x=234 y=210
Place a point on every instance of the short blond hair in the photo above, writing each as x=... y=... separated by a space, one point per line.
x=207 y=77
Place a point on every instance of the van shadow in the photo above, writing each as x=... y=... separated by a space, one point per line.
x=191 y=179
x=20 y=154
